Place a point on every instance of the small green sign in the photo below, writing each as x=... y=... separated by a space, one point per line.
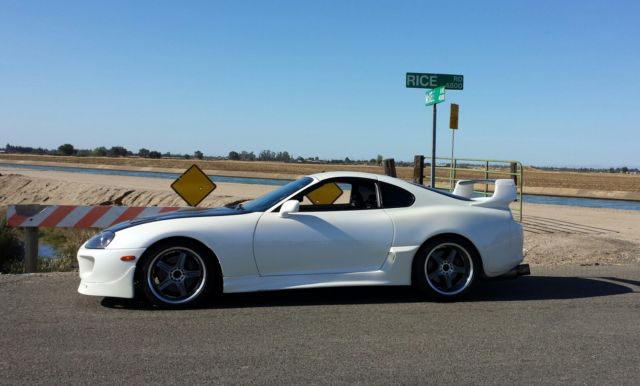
x=435 y=96
x=418 y=80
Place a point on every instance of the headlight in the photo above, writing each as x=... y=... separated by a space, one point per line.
x=100 y=241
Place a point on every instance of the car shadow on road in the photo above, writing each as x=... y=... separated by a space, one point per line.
x=546 y=288
x=522 y=289
x=626 y=281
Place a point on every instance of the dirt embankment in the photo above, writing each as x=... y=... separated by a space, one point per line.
x=18 y=189
x=60 y=188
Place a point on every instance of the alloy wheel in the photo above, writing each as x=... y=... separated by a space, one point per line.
x=176 y=275
x=449 y=269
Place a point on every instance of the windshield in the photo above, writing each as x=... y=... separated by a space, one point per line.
x=268 y=200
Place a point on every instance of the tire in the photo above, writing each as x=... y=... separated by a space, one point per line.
x=446 y=268
x=178 y=274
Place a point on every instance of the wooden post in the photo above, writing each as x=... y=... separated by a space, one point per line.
x=514 y=172
x=418 y=169
x=390 y=167
x=30 y=249
x=486 y=177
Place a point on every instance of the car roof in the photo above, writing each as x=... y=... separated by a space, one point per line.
x=328 y=175
x=372 y=176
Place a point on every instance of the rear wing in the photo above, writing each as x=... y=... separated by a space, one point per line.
x=504 y=193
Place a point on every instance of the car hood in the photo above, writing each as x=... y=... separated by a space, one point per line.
x=181 y=213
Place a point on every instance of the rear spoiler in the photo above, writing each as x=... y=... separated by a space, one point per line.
x=504 y=193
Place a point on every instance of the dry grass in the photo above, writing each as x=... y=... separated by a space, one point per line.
x=533 y=177
x=66 y=241
x=274 y=168
x=589 y=181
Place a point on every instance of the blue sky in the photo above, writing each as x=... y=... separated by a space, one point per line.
x=546 y=82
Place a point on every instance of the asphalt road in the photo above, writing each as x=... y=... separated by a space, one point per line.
x=577 y=325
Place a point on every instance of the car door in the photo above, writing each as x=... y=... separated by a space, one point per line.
x=340 y=228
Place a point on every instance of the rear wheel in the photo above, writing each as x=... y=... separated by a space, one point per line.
x=446 y=268
x=177 y=274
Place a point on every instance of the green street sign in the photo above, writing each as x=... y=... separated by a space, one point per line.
x=418 y=80
x=435 y=96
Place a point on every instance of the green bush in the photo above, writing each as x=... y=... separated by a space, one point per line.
x=11 y=248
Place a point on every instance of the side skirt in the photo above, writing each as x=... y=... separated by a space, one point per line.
x=396 y=270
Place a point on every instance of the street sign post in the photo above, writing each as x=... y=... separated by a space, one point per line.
x=420 y=80
x=433 y=97
x=193 y=185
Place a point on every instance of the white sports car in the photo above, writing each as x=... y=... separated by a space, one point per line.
x=324 y=230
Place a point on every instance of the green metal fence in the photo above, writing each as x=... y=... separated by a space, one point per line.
x=449 y=171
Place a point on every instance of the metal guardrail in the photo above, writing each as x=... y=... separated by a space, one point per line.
x=32 y=217
x=449 y=171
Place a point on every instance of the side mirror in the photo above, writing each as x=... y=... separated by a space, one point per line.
x=291 y=206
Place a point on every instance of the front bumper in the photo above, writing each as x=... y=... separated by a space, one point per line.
x=102 y=273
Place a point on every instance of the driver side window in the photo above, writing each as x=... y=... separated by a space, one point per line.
x=340 y=194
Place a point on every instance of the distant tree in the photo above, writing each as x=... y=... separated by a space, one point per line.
x=24 y=149
x=267 y=155
x=233 y=155
x=347 y=160
x=100 y=151
x=198 y=154
x=247 y=156
x=283 y=156
x=83 y=152
x=17 y=149
x=379 y=159
x=625 y=170
x=117 y=151
x=143 y=153
x=66 y=149
x=155 y=154
x=186 y=156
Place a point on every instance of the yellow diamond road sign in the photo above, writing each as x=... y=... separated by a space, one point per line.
x=193 y=185
x=325 y=195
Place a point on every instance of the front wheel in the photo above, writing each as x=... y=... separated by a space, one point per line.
x=446 y=268
x=176 y=274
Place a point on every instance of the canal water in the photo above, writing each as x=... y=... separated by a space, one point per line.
x=132 y=173
x=529 y=198
x=47 y=251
